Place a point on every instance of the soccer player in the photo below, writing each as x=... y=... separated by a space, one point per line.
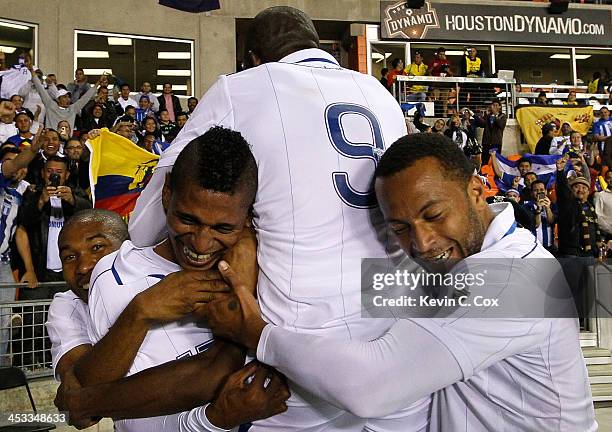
x=317 y=131
x=140 y=312
x=486 y=375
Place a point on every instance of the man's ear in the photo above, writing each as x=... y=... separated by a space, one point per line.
x=476 y=191
x=166 y=193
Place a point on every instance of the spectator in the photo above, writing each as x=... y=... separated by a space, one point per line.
x=7 y=125
x=440 y=66
x=50 y=148
x=398 y=69
x=168 y=101
x=418 y=123
x=130 y=112
x=603 y=207
x=494 y=123
x=144 y=108
x=544 y=144
x=472 y=64
x=124 y=98
x=542 y=99
x=126 y=127
x=571 y=98
x=544 y=213
x=78 y=166
x=61 y=108
x=192 y=102
x=417 y=68
x=596 y=85
x=513 y=195
x=41 y=218
x=602 y=129
x=438 y=127
x=31 y=98
x=24 y=136
x=110 y=109
x=383 y=77
x=456 y=133
x=166 y=126
x=145 y=90
x=560 y=143
x=96 y=119
x=79 y=86
x=467 y=123
x=181 y=119
x=150 y=125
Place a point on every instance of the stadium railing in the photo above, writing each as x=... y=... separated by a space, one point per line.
x=22 y=326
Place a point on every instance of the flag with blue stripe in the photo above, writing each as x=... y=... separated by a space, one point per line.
x=544 y=166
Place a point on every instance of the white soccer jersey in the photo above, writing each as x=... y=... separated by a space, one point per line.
x=11 y=200
x=67 y=325
x=116 y=280
x=487 y=374
x=316 y=131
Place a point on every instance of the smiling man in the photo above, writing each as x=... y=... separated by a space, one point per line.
x=500 y=374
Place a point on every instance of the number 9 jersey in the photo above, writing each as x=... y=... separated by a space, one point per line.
x=317 y=131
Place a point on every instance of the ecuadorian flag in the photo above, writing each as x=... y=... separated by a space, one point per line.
x=118 y=171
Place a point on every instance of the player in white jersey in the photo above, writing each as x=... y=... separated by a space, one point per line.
x=13 y=169
x=317 y=131
x=498 y=374
x=207 y=199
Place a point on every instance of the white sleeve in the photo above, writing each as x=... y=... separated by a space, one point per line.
x=147 y=222
x=67 y=327
x=371 y=379
x=188 y=421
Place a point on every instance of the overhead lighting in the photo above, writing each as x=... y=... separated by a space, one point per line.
x=170 y=55
x=119 y=41
x=174 y=87
x=15 y=26
x=173 y=72
x=454 y=53
x=97 y=71
x=7 y=49
x=92 y=54
x=567 y=56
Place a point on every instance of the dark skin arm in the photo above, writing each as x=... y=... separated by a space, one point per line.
x=201 y=374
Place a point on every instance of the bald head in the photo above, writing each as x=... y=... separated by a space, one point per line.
x=277 y=32
x=107 y=221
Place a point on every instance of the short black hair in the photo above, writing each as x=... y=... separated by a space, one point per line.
x=192 y=98
x=181 y=113
x=395 y=62
x=56 y=158
x=220 y=160
x=125 y=85
x=409 y=149
x=535 y=182
x=384 y=71
x=102 y=87
x=6 y=150
x=52 y=130
x=111 y=223
x=530 y=172
x=79 y=69
x=521 y=160
x=279 y=31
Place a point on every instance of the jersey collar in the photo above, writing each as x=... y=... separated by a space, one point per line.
x=314 y=57
x=502 y=225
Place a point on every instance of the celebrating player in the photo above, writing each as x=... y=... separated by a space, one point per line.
x=317 y=131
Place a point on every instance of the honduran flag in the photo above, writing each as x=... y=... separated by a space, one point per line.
x=119 y=170
x=544 y=166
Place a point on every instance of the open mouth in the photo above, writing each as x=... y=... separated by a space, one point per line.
x=439 y=258
x=199 y=260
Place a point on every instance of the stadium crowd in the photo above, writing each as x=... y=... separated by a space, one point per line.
x=568 y=210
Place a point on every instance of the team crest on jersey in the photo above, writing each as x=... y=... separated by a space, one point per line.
x=402 y=21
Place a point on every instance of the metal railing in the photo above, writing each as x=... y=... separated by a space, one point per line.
x=444 y=96
x=24 y=341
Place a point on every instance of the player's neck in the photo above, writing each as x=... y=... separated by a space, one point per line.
x=164 y=250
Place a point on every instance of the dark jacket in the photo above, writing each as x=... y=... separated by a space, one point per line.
x=175 y=102
x=493 y=134
x=570 y=221
x=36 y=223
x=543 y=146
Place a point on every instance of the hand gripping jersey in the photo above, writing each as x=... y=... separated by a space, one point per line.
x=317 y=131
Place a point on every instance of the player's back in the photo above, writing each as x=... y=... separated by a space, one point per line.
x=317 y=131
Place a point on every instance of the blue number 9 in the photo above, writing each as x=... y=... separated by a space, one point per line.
x=354 y=150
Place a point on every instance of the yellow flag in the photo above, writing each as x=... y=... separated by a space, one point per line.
x=532 y=118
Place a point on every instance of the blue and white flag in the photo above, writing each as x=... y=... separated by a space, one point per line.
x=544 y=166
